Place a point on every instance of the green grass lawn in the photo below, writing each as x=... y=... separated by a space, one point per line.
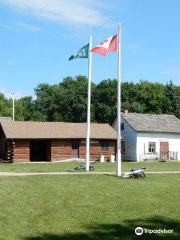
x=99 y=167
x=88 y=207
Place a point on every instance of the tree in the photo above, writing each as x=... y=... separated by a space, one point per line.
x=30 y=111
x=104 y=100
x=45 y=101
x=173 y=93
x=66 y=101
x=152 y=97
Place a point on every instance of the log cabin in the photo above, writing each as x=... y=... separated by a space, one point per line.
x=54 y=141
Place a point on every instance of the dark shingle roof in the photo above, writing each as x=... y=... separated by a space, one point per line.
x=5 y=119
x=153 y=122
x=56 y=130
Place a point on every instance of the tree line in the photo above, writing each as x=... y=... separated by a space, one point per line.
x=67 y=101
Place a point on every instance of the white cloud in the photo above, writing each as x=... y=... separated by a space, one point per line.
x=10 y=63
x=29 y=26
x=78 y=12
x=17 y=95
x=170 y=71
x=131 y=46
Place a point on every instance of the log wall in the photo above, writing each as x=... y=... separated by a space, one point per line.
x=21 y=151
x=95 y=150
x=60 y=149
x=2 y=144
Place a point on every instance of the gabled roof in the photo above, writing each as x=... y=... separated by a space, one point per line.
x=153 y=122
x=56 y=130
x=5 y=119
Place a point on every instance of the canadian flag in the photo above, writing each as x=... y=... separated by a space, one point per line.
x=109 y=45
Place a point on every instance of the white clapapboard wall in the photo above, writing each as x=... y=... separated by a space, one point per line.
x=137 y=143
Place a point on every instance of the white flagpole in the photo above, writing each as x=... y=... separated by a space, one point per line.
x=118 y=160
x=88 y=107
x=13 y=108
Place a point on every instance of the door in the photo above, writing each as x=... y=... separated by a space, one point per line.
x=75 y=149
x=164 y=150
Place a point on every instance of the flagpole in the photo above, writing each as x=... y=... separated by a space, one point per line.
x=118 y=160
x=88 y=107
x=13 y=109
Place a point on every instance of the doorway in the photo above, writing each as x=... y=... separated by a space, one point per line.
x=164 y=150
x=38 y=151
x=75 y=149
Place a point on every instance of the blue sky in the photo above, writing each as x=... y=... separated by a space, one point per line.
x=38 y=36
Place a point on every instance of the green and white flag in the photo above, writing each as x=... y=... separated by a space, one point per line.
x=82 y=53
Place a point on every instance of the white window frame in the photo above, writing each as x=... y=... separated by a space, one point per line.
x=150 y=147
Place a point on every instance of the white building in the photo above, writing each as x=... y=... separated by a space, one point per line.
x=149 y=137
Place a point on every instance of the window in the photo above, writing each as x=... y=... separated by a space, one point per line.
x=123 y=147
x=105 y=145
x=122 y=126
x=152 y=147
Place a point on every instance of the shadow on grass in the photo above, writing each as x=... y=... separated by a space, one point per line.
x=111 y=175
x=124 y=231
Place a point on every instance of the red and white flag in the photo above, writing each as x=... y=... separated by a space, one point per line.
x=109 y=45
